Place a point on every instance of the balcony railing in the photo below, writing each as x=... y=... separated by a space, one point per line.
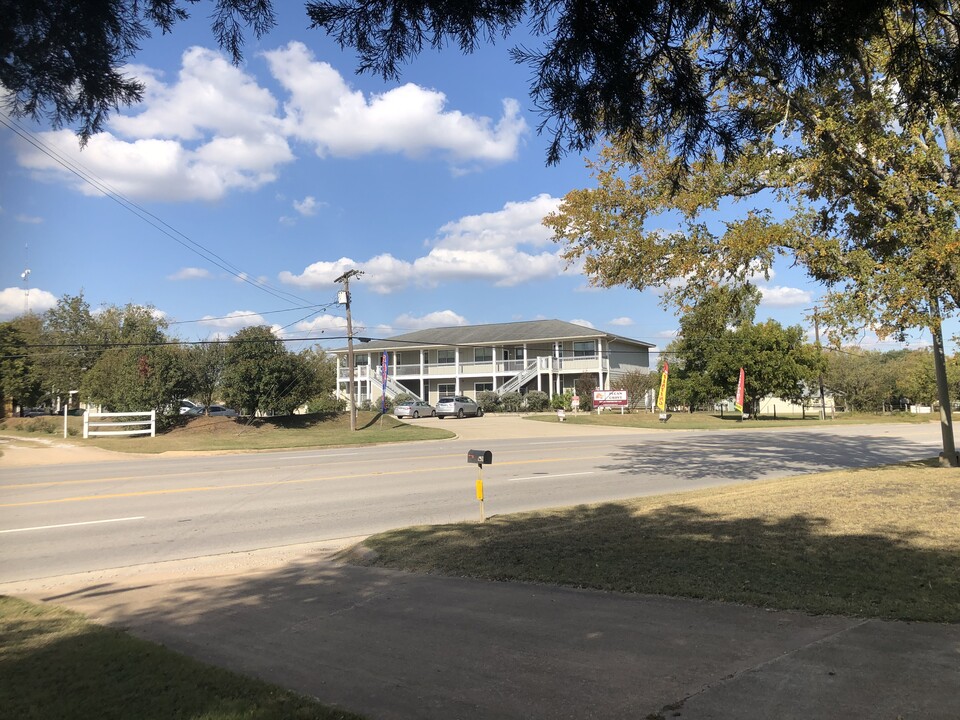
x=569 y=364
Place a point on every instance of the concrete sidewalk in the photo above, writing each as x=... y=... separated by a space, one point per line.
x=394 y=645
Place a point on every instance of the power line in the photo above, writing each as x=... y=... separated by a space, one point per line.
x=142 y=213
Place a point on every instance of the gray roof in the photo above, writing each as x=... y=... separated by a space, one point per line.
x=515 y=333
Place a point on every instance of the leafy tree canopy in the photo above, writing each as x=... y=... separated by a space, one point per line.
x=656 y=69
x=869 y=190
x=660 y=70
x=65 y=59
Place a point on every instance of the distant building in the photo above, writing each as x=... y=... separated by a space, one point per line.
x=545 y=355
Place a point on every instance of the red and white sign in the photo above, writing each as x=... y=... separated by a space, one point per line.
x=610 y=398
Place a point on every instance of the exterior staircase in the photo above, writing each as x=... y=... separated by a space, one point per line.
x=518 y=380
x=393 y=387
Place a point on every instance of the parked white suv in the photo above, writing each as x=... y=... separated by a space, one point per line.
x=458 y=406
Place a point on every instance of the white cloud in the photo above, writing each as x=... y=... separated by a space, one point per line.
x=15 y=301
x=213 y=129
x=236 y=320
x=322 y=323
x=441 y=318
x=484 y=247
x=308 y=206
x=410 y=120
x=28 y=219
x=585 y=323
x=516 y=223
x=778 y=296
x=189 y=273
x=621 y=322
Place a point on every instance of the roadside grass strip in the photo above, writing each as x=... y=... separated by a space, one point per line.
x=55 y=664
x=875 y=543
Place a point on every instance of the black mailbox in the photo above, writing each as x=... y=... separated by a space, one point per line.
x=480 y=457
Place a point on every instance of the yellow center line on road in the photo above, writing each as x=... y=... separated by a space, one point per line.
x=195 y=473
x=277 y=483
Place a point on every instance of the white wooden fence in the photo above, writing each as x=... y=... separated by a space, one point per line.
x=140 y=427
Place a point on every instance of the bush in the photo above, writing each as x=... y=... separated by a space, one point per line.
x=537 y=401
x=488 y=401
x=562 y=402
x=511 y=401
x=327 y=405
x=42 y=425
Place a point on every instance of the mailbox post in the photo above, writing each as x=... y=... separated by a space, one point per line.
x=480 y=457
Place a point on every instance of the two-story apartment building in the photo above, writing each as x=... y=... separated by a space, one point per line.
x=546 y=355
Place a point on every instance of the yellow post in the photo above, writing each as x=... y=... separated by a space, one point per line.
x=480 y=490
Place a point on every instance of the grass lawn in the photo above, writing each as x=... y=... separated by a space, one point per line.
x=872 y=543
x=238 y=434
x=711 y=421
x=54 y=664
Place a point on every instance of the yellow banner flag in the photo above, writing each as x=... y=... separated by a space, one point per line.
x=662 y=397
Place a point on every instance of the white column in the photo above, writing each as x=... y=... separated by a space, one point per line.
x=603 y=385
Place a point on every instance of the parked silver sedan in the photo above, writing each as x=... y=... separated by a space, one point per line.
x=458 y=406
x=414 y=409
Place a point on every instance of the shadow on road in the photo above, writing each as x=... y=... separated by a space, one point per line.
x=755 y=455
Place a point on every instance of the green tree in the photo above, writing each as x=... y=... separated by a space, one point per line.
x=585 y=385
x=19 y=381
x=777 y=362
x=718 y=337
x=261 y=376
x=637 y=384
x=71 y=342
x=870 y=186
x=139 y=369
x=858 y=378
x=205 y=363
x=913 y=377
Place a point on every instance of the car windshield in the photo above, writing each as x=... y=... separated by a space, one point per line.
x=446 y=400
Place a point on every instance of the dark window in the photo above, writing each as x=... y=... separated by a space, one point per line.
x=584 y=349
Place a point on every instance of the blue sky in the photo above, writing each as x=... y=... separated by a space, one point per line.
x=255 y=187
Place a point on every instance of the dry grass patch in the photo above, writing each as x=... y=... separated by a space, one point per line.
x=225 y=434
x=874 y=543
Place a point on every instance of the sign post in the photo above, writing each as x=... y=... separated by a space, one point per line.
x=610 y=398
x=480 y=457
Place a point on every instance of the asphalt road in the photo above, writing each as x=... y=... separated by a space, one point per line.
x=72 y=518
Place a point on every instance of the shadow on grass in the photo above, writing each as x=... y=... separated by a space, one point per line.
x=385 y=643
x=56 y=666
x=792 y=563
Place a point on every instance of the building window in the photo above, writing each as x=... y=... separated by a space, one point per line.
x=446 y=357
x=584 y=349
x=450 y=389
x=483 y=355
x=483 y=387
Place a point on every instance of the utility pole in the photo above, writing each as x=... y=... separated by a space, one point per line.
x=344 y=299
x=816 y=330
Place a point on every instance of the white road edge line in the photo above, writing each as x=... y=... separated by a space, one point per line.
x=550 y=477
x=65 y=525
